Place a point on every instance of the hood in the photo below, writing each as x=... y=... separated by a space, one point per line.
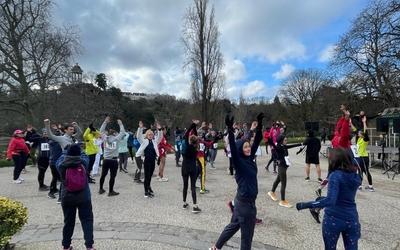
x=239 y=145
x=72 y=161
x=280 y=138
x=352 y=179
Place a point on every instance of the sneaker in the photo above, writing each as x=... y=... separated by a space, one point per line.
x=102 y=191
x=16 y=181
x=371 y=189
x=178 y=165
x=272 y=195
x=307 y=178
x=113 y=193
x=70 y=248
x=185 y=206
x=90 y=248
x=44 y=188
x=360 y=188
x=212 y=248
x=196 y=210
x=318 y=192
x=138 y=181
x=91 y=180
x=315 y=215
x=319 y=180
x=213 y=168
x=285 y=204
x=151 y=191
x=148 y=195
x=51 y=195
x=275 y=173
x=24 y=171
x=267 y=168
x=163 y=179
x=21 y=179
x=59 y=201
x=230 y=206
x=158 y=177
x=204 y=191
x=258 y=221
x=125 y=170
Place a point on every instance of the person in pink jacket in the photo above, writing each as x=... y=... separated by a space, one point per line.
x=18 y=151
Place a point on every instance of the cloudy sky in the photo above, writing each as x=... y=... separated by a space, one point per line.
x=137 y=41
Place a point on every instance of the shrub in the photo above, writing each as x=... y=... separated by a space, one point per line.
x=13 y=216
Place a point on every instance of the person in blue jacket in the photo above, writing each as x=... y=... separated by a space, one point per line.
x=79 y=200
x=341 y=216
x=244 y=214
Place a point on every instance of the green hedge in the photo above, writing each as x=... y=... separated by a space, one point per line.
x=13 y=216
x=5 y=163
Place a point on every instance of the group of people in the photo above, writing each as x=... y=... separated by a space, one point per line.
x=63 y=153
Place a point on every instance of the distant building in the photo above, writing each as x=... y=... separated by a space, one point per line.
x=76 y=74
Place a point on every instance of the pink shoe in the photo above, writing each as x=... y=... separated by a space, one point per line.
x=275 y=173
x=267 y=168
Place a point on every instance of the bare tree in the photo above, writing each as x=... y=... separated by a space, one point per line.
x=300 y=92
x=203 y=57
x=35 y=54
x=370 y=50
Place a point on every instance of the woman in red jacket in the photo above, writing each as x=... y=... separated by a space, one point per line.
x=18 y=150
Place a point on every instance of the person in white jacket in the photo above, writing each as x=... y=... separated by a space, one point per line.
x=96 y=163
x=149 y=150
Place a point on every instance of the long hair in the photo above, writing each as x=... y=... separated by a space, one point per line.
x=340 y=159
x=194 y=140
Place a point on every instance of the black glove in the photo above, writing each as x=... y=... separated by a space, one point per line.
x=260 y=117
x=229 y=122
x=302 y=205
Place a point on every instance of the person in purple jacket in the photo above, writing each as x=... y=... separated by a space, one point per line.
x=341 y=216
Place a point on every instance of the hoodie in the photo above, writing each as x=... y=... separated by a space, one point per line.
x=246 y=168
x=73 y=161
x=340 y=200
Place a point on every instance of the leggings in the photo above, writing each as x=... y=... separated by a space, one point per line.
x=273 y=158
x=202 y=172
x=130 y=151
x=55 y=177
x=332 y=227
x=148 y=166
x=112 y=165
x=43 y=164
x=92 y=159
x=19 y=164
x=186 y=174
x=139 y=164
x=363 y=162
x=281 y=178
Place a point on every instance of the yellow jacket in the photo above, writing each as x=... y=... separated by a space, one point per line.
x=91 y=147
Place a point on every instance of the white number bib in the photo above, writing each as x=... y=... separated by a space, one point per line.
x=112 y=145
x=215 y=145
x=44 y=147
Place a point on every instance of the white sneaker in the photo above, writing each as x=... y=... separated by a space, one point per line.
x=21 y=179
x=158 y=177
x=163 y=179
x=16 y=181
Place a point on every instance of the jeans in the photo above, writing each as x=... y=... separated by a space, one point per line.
x=243 y=218
x=123 y=160
x=85 y=214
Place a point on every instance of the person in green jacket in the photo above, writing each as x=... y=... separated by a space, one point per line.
x=90 y=136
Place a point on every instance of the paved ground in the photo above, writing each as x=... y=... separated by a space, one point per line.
x=130 y=221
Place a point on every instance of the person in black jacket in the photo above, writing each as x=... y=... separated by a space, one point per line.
x=313 y=146
x=32 y=139
x=43 y=159
x=73 y=157
x=283 y=162
x=189 y=168
x=244 y=213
